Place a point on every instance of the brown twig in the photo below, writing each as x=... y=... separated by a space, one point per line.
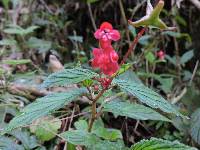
x=133 y=45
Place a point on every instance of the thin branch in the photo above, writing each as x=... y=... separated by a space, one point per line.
x=91 y=16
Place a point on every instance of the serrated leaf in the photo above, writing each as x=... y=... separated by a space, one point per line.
x=41 y=107
x=195 y=126
x=68 y=76
x=147 y=96
x=8 y=144
x=16 y=62
x=80 y=137
x=135 y=111
x=160 y=144
x=187 y=56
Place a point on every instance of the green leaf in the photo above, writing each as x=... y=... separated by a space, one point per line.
x=135 y=111
x=27 y=140
x=150 y=57
x=177 y=35
x=81 y=125
x=123 y=68
x=8 y=42
x=8 y=144
x=166 y=84
x=41 y=107
x=144 y=40
x=76 y=38
x=92 y=1
x=14 y=29
x=160 y=144
x=47 y=128
x=171 y=59
x=195 y=126
x=104 y=145
x=187 y=56
x=147 y=96
x=80 y=137
x=68 y=76
x=16 y=62
x=108 y=134
x=39 y=44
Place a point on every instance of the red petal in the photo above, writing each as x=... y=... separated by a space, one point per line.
x=98 y=34
x=115 y=35
x=106 y=25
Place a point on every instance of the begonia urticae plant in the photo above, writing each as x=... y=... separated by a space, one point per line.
x=104 y=92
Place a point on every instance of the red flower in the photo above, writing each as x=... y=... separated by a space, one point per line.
x=161 y=54
x=106 y=34
x=105 y=60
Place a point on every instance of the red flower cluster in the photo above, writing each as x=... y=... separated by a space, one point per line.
x=105 y=57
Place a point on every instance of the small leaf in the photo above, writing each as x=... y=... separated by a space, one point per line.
x=76 y=38
x=147 y=96
x=41 y=107
x=81 y=125
x=16 y=62
x=46 y=128
x=108 y=134
x=177 y=35
x=79 y=137
x=187 y=56
x=195 y=126
x=135 y=111
x=39 y=44
x=68 y=76
x=27 y=140
x=150 y=57
x=160 y=144
x=123 y=68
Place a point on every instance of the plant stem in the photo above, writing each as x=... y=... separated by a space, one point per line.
x=93 y=116
x=133 y=45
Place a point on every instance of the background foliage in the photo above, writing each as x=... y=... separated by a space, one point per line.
x=39 y=36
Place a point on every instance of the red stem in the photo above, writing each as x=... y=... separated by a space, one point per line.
x=133 y=45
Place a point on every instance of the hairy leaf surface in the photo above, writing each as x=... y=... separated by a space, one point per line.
x=135 y=111
x=160 y=144
x=68 y=76
x=147 y=96
x=41 y=107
